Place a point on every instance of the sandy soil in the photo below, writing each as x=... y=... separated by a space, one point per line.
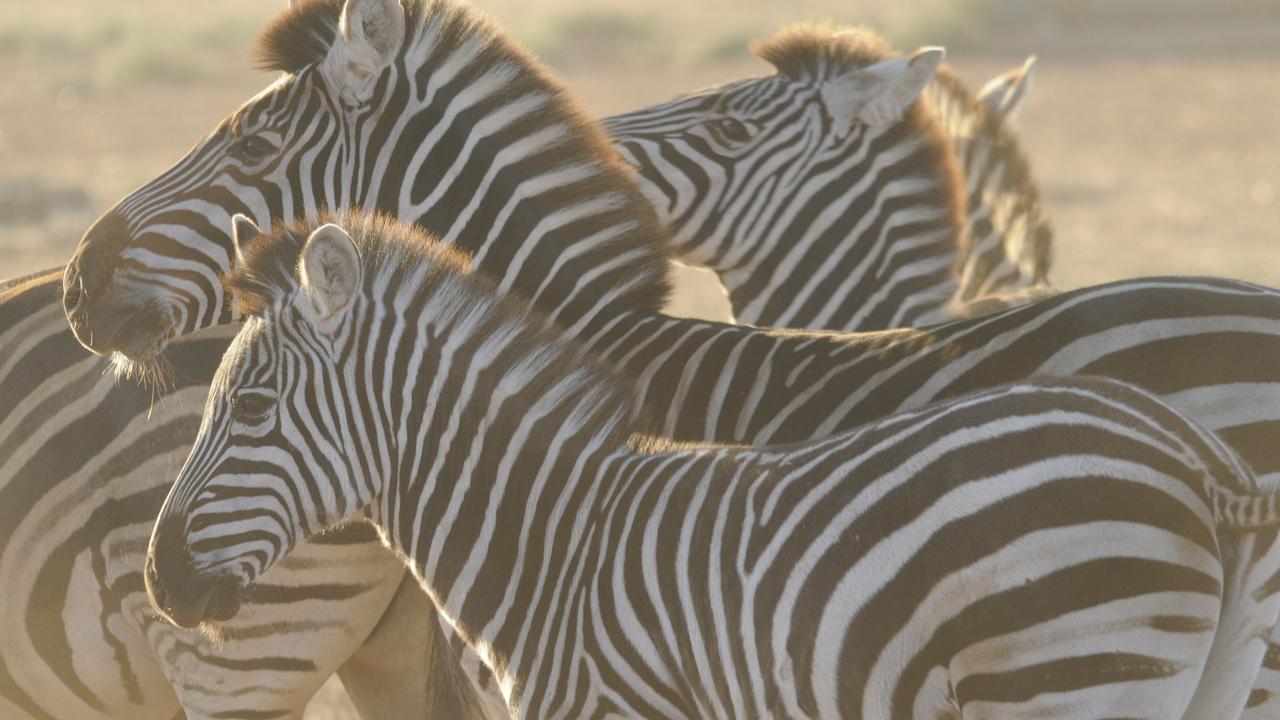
x=1158 y=150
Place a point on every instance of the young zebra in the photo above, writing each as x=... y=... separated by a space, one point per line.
x=811 y=227
x=1195 y=343
x=1045 y=547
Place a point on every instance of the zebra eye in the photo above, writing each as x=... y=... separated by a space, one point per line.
x=252 y=148
x=252 y=408
x=732 y=129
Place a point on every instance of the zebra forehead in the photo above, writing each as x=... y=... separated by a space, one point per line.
x=811 y=52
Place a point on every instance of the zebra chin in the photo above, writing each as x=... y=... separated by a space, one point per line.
x=182 y=595
x=137 y=333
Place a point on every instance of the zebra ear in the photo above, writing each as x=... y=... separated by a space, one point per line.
x=370 y=33
x=329 y=272
x=879 y=94
x=243 y=231
x=1003 y=93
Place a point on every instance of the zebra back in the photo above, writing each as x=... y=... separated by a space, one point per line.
x=1066 y=512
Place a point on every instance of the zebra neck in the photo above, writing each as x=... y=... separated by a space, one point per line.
x=497 y=475
x=874 y=241
x=491 y=154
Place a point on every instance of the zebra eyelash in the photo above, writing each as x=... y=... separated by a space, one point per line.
x=253 y=407
x=252 y=149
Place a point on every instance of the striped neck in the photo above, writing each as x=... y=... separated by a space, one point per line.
x=499 y=445
x=481 y=146
x=809 y=223
x=872 y=240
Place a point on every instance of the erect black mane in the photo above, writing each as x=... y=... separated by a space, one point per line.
x=812 y=52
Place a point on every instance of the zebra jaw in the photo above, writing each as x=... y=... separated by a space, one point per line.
x=200 y=601
x=182 y=594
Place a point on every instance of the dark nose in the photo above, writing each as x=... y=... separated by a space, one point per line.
x=90 y=269
x=168 y=575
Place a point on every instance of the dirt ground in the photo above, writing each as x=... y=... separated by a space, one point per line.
x=1156 y=137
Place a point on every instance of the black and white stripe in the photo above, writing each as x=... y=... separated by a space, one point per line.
x=1044 y=546
x=1007 y=255
x=811 y=224
x=712 y=382
x=84 y=465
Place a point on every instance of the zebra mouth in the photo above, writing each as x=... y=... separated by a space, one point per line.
x=202 y=601
x=138 y=331
x=144 y=335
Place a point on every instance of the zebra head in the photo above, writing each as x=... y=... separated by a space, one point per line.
x=715 y=162
x=150 y=268
x=278 y=457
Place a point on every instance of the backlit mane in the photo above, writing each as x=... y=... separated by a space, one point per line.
x=398 y=259
x=268 y=272
x=299 y=36
x=813 y=52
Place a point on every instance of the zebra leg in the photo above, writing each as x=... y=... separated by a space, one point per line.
x=405 y=668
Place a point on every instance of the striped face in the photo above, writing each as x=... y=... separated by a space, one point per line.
x=423 y=111
x=272 y=465
x=151 y=267
x=736 y=170
x=694 y=155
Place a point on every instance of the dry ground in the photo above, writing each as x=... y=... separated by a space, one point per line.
x=1154 y=128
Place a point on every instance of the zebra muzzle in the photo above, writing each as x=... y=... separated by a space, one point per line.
x=180 y=594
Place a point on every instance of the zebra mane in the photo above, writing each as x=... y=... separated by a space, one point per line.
x=302 y=35
x=299 y=36
x=813 y=52
x=963 y=115
x=267 y=273
x=399 y=259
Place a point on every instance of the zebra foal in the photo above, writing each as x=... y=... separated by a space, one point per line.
x=1046 y=547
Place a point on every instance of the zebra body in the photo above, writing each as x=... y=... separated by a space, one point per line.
x=1044 y=546
x=809 y=228
x=87 y=641
x=152 y=253
x=124 y=419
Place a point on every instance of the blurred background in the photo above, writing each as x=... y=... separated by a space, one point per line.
x=1152 y=125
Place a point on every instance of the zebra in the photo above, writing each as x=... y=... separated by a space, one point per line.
x=703 y=381
x=808 y=228
x=133 y=430
x=1010 y=238
x=1046 y=545
x=83 y=466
